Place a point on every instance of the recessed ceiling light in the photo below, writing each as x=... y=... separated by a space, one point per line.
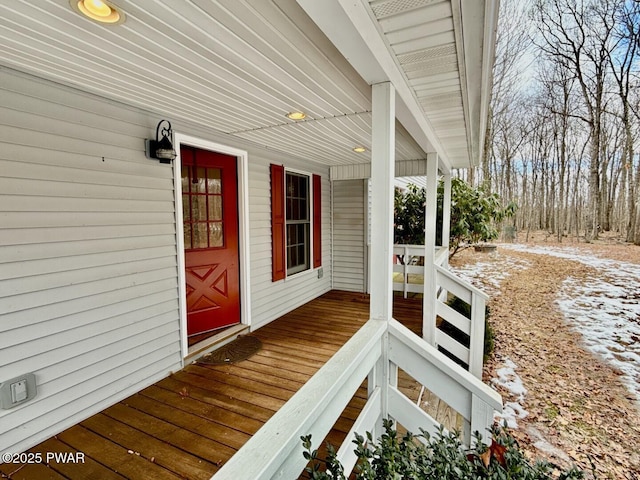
x=100 y=11
x=359 y=149
x=296 y=115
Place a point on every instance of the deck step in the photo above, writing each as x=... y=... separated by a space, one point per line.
x=214 y=342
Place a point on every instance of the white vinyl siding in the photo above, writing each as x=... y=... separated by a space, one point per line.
x=88 y=268
x=88 y=284
x=273 y=299
x=349 y=235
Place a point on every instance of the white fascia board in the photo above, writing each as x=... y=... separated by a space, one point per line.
x=351 y=27
x=473 y=21
x=465 y=85
x=492 y=8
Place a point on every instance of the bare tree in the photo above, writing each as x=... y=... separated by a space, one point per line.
x=512 y=51
x=576 y=35
x=562 y=142
x=558 y=85
x=622 y=58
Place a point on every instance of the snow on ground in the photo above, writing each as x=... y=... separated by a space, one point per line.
x=510 y=381
x=543 y=445
x=488 y=275
x=604 y=309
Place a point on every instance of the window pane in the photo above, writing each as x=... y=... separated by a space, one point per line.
x=291 y=189
x=215 y=234
x=200 y=235
x=185 y=179
x=186 y=210
x=215 y=207
x=303 y=187
x=214 y=182
x=199 y=207
x=289 y=208
x=292 y=258
x=187 y=236
x=291 y=234
x=198 y=181
x=296 y=210
x=297 y=197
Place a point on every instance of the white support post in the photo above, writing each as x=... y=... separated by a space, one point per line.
x=382 y=176
x=446 y=215
x=430 y=284
x=382 y=190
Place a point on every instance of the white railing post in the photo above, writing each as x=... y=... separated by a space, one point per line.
x=476 y=346
x=481 y=420
x=405 y=272
x=430 y=218
x=377 y=382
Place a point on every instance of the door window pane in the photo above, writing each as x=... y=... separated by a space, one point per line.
x=215 y=207
x=214 y=182
x=200 y=236
x=215 y=234
x=198 y=181
x=185 y=178
x=199 y=208
x=186 y=208
x=187 y=236
x=202 y=207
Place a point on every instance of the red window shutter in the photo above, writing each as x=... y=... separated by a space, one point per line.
x=278 y=267
x=317 y=222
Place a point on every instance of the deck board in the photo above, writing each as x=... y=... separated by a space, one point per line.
x=188 y=424
x=30 y=472
x=91 y=469
x=111 y=454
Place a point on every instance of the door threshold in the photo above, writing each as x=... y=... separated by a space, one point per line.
x=214 y=342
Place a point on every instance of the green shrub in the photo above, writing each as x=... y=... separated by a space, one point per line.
x=443 y=457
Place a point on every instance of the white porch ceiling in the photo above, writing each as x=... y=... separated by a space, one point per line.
x=238 y=66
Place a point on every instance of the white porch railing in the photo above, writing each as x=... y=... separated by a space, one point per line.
x=473 y=354
x=375 y=352
x=470 y=353
x=411 y=255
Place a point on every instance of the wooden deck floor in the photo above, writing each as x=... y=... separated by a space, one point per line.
x=189 y=424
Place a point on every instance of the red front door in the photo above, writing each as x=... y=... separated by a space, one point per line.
x=210 y=215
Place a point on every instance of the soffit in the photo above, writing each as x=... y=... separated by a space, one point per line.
x=422 y=36
x=235 y=66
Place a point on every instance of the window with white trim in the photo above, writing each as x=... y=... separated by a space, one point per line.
x=298 y=222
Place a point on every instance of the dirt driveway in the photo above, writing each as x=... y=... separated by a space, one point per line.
x=567 y=338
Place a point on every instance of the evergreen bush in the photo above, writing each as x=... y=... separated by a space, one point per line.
x=439 y=457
